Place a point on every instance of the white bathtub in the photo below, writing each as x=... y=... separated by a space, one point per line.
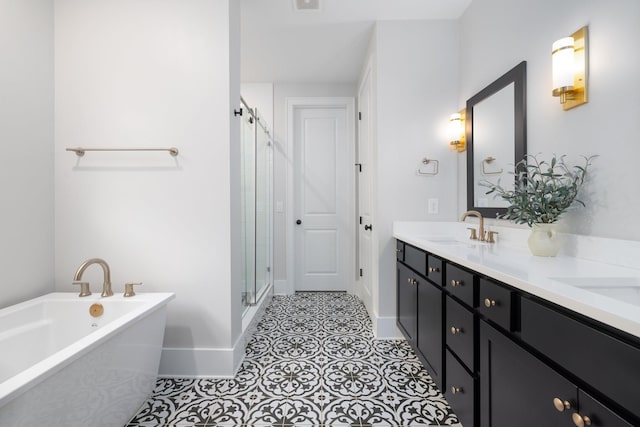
x=59 y=366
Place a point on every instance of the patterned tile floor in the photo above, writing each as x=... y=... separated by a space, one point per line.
x=313 y=361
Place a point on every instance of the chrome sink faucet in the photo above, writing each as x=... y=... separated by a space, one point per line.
x=84 y=286
x=481 y=233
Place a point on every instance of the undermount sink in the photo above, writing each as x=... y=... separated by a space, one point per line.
x=442 y=240
x=625 y=289
x=450 y=241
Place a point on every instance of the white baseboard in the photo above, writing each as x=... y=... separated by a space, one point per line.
x=385 y=328
x=199 y=362
x=212 y=362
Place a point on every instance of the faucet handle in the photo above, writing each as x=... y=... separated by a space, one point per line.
x=128 y=288
x=84 y=288
x=474 y=235
x=491 y=236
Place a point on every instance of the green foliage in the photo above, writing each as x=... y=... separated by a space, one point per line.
x=542 y=191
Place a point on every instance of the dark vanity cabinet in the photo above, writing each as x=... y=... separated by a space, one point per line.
x=460 y=343
x=506 y=358
x=407 y=303
x=517 y=388
x=420 y=306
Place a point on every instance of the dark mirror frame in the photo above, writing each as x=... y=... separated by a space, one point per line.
x=518 y=76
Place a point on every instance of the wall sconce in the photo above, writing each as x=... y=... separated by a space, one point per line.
x=569 y=65
x=457 y=140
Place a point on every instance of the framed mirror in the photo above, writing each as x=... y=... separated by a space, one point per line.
x=496 y=133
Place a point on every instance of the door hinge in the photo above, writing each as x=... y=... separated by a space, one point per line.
x=359 y=115
x=360 y=272
x=359 y=165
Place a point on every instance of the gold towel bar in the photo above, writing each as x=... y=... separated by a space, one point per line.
x=80 y=151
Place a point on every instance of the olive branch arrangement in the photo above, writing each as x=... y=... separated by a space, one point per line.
x=542 y=190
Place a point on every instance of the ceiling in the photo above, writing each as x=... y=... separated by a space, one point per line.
x=280 y=44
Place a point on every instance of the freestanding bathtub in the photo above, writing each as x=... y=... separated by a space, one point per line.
x=60 y=366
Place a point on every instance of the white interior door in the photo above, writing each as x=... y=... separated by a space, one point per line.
x=365 y=226
x=322 y=168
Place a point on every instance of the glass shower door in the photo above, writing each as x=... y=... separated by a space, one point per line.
x=248 y=208
x=263 y=209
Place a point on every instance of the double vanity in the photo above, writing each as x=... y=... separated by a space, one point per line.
x=517 y=340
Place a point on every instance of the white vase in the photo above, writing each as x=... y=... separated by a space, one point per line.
x=544 y=240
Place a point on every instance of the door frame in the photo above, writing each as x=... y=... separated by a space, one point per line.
x=292 y=104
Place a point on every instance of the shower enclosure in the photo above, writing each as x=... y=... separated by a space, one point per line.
x=256 y=184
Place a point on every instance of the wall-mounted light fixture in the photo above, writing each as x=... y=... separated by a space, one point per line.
x=569 y=64
x=457 y=141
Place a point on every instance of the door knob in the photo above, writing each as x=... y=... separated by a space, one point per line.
x=368 y=227
x=299 y=222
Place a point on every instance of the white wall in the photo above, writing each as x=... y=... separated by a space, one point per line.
x=26 y=143
x=417 y=81
x=282 y=91
x=163 y=73
x=498 y=34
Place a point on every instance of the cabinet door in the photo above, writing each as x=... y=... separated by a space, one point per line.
x=430 y=338
x=596 y=413
x=516 y=388
x=407 y=304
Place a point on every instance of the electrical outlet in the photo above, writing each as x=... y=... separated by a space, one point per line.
x=432 y=207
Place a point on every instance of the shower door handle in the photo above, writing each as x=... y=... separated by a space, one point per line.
x=299 y=222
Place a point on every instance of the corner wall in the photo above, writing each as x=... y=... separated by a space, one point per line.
x=160 y=74
x=416 y=66
x=498 y=34
x=26 y=143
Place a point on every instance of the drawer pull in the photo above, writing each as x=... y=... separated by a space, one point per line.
x=455 y=283
x=580 y=421
x=489 y=302
x=433 y=270
x=560 y=404
x=455 y=390
x=455 y=330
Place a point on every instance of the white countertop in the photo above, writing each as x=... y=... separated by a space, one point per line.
x=603 y=291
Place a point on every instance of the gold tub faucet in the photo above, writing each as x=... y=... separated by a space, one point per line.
x=106 y=285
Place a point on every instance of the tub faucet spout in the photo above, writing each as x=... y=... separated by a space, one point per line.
x=106 y=285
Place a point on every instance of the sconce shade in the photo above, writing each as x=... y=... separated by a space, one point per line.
x=563 y=65
x=569 y=63
x=456 y=132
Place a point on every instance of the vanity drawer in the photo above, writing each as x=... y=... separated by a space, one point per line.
x=605 y=362
x=434 y=269
x=460 y=284
x=495 y=303
x=416 y=259
x=460 y=332
x=400 y=250
x=460 y=391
